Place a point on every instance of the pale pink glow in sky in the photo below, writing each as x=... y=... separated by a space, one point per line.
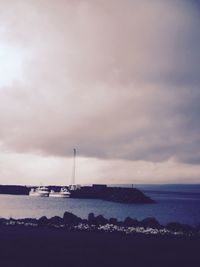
x=118 y=80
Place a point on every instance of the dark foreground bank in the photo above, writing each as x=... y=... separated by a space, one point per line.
x=43 y=246
x=97 y=241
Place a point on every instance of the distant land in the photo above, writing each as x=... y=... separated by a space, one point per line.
x=20 y=189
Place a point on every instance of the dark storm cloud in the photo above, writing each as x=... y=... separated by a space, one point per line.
x=117 y=80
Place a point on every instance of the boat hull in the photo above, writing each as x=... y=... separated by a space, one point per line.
x=35 y=194
x=59 y=195
x=41 y=191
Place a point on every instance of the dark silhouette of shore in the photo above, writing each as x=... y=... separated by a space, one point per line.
x=99 y=223
x=97 y=241
x=14 y=189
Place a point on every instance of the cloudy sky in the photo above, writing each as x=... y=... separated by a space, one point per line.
x=118 y=80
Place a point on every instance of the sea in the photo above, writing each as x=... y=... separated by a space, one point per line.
x=173 y=203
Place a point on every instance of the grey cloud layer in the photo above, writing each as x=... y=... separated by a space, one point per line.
x=116 y=79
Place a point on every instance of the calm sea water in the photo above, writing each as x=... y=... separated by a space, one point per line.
x=179 y=203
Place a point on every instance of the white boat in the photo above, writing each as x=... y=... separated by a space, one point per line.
x=73 y=187
x=63 y=193
x=41 y=191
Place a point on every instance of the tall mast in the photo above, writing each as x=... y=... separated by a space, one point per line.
x=74 y=167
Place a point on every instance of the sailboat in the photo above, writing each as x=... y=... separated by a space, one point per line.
x=74 y=186
x=64 y=192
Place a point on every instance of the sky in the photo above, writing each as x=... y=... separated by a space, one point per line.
x=117 y=80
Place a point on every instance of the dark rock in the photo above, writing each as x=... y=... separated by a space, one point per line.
x=130 y=222
x=56 y=220
x=70 y=218
x=174 y=226
x=187 y=228
x=100 y=220
x=3 y=221
x=120 y=223
x=85 y=221
x=150 y=222
x=113 y=221
x=197 y=228
x=91 y=218
x=43 y=221
x=28 y=220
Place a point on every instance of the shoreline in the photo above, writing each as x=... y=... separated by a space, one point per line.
x=97 y=242
x=129 y=226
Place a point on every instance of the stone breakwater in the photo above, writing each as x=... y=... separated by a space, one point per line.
x=71 y=222
x=96 y=191
x=115 y=194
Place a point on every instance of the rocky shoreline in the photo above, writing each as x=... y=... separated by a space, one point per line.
x=130 y=226
x=97 y=242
